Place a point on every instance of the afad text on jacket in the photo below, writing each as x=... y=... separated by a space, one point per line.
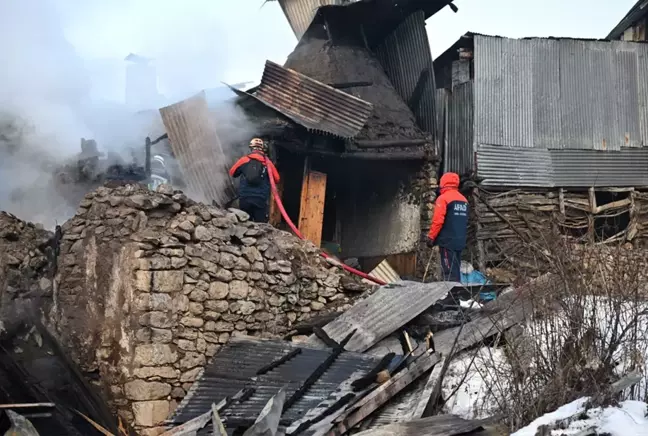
x=450 y=220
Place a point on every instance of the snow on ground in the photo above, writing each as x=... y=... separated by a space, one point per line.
x=475 y=398
x=628 y=419
x=470 y=304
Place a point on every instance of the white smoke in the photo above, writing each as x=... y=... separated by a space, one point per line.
x=63 y=78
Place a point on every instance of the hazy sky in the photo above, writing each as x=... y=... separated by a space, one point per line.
x=201 y=42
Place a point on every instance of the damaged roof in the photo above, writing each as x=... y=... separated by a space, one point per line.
x=326 y=62
x=312 y=104
x=237 y=365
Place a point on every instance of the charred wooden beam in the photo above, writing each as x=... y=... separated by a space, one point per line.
x=321 y=369
x=272 y=365
x=324 y=337
x=381 y=143
x=370 y=378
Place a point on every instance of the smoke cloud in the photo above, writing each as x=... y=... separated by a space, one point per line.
x=63 y=79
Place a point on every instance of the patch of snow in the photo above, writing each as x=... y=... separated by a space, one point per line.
x=476 y=397
x=470 y=304
x=629 y=419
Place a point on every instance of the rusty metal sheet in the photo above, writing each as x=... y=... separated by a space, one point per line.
x=384 y=312
x=300 y=13
x=312 y=104
x=196 y=146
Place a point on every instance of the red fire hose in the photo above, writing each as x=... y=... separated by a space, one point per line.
x=285 y=216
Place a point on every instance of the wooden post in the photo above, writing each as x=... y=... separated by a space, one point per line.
x=561 y=200
x=592 y=200
x=311 y=209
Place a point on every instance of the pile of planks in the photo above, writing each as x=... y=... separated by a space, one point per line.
x=511 y=225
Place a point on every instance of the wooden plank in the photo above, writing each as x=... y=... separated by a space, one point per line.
x=441 y=425
x=311 y=209
x=196 y=145
x=370 y=403
x=275 y=213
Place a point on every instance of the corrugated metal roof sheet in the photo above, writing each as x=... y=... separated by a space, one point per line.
x=511 y=167
x=574 y=94
x=459 y=153
x=312 y=104
x=384 y=311
x=195 y=144
x=235 y=367
x=300 y=13
x=405 y=54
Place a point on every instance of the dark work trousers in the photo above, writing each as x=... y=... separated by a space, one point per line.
x=256 y=208
x=450 y=264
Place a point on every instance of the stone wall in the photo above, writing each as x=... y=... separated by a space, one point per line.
x=26 y=268
x=150 y=285
x=428 y=185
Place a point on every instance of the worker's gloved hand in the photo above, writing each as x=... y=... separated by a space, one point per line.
x=430 y=243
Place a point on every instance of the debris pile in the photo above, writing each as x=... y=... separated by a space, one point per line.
x=152 y=284
x=27 y=259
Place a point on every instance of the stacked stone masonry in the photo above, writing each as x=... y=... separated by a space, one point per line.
x=151 y=284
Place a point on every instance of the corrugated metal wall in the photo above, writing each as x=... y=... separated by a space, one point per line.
x=532 y=167
x=404 y=55
x=300 y=13
x=459 y=150
x=558 y=113
x=195 y=143
x=555 y=94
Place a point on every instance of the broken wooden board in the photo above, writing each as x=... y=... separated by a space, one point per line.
x=511 y=311
x=196 y=146
x=375 y=399
x=383 y=312
x=311 y=209
x=440 y=425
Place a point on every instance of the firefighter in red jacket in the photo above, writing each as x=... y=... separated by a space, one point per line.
x=255 y=171
x=449 y=226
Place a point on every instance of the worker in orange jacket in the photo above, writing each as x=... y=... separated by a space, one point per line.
x=449 y=226
x=255 y=170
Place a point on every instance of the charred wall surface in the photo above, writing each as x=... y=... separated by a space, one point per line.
x=152 y=284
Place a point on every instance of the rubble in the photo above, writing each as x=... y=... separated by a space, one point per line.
x=27 y=259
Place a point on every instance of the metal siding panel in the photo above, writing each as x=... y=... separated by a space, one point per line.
x=518 y=104
x=195 y=144
x=642 y=78
x=460 y=151
x=383 y=312
x=300 y=13
x=516 y=167
x=513 y=166
x=404 y=55
x=547 y=129
x=312 y=104
x=626 y=96
x=586 y=168
x=575 y=95
x=489 y=104
x=441 y=101
x=605 y=119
